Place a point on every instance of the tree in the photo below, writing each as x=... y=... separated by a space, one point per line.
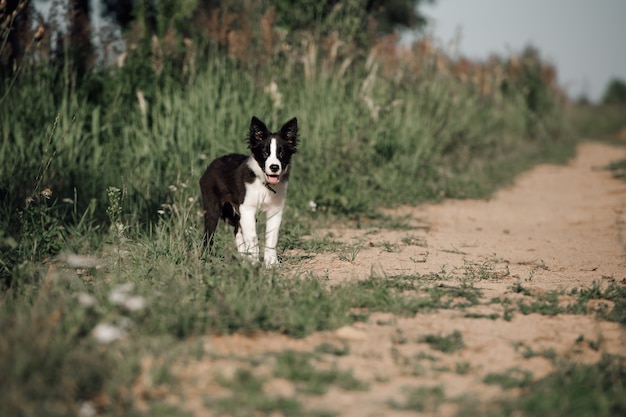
x=296 y=15
x=80 y=46
x=615 y=92
x=15 y=18
x=335 y=14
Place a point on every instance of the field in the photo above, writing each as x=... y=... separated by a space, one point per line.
x=406 y=285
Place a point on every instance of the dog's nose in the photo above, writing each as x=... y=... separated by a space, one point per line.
x=274 y=167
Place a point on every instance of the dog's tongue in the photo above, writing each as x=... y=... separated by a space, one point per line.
x=272 y=179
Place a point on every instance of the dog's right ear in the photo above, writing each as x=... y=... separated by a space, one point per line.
x=258 y=132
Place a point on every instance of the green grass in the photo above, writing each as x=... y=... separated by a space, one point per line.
x=248 y=398
x=572 y=390
x=511 y=378
x=444 y=343
x=297 y=367
x=422 y=399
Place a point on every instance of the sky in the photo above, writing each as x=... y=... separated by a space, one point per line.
x=584 y=39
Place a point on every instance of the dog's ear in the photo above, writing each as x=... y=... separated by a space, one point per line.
x=289 y=132
x=258 y=132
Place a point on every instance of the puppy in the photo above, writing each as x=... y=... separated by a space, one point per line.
x=235 y=187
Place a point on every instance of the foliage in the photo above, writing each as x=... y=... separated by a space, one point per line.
x=615 y=92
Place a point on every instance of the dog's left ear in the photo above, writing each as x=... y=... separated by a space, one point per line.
x=289 y=132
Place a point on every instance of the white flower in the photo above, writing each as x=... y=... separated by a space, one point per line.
x=86 y=300
x=134 y=303
x=77 y=261
x=107 y=333
x=277 y=98
x=119 y=294
x=46 y=193
x=313 y=205
x=87 y=409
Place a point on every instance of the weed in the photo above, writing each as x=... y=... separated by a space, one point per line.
x=517 y=288
x=350 y=251
x=511 y=378
x=412 y=240
x=399 y=338
x=333 y=349
x=390 y=247
x=297 y=367
x=248 y=398
x=546 y=304
x=572 y=390
x=445 y=344
x=421 y=399
x=462 y=368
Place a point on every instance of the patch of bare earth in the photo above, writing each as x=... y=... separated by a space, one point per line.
x=556 y=228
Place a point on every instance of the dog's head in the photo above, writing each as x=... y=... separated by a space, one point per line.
x=273 y=150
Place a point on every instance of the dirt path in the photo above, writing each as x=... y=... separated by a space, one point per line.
x=556 y=228
x=559 y=224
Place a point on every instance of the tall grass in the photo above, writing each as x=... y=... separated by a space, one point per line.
x=367 y=141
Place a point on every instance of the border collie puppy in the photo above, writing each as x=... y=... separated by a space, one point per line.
x=235 y=187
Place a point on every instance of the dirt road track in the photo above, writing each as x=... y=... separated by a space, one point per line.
x=561 y=224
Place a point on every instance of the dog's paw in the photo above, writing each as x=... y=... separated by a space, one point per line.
x=271 y=261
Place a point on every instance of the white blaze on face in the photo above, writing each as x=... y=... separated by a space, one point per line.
x=272 y=160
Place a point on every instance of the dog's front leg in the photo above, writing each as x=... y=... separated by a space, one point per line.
x=248 y=242
x=274 y=218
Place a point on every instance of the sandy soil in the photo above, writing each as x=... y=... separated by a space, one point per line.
x=556 y=228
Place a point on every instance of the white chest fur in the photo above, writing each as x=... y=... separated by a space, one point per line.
x=261 y=198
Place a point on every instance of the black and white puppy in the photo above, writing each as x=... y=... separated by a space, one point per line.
x=235 y=187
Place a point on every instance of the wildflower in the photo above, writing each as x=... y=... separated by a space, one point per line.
x=313 y=205
x=46 y=193
x=87 y=409
x=275 y=95
x=134 y=303
x=172 y=188
x=106 y=333
x=86 y=300
x=77 y=261
x=119 y=294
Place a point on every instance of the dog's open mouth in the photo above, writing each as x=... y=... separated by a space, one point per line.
x=273 y=179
